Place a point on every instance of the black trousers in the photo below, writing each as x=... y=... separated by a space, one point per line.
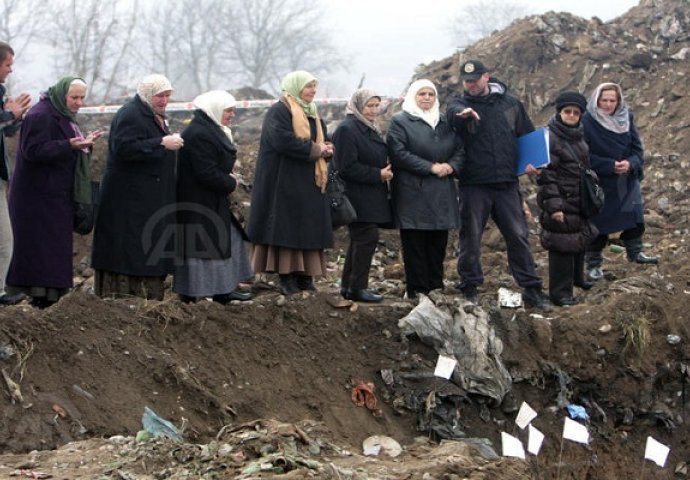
x=503 y=204
x=423 y=255
x=564 y=270
x=598 y=244
x=363 y=240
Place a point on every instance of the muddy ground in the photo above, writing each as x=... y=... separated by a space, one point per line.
x=87 y=367
x=264 y=389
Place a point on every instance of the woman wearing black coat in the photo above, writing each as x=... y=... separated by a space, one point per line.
x=617 y=156
x=290 y=219
x=565 y=231
x=213 y=258
x=133 y=237
x=362 y=161
x=425 y=155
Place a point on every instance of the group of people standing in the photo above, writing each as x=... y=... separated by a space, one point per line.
x=164 y=204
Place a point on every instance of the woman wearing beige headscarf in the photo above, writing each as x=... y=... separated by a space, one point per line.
x=290 y=221
x=362 y=162
x=133 y=247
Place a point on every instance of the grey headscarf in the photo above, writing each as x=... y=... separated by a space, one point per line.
x=356 y=104
x=619 y=122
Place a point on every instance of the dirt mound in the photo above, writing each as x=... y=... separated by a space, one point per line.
x=268 y=384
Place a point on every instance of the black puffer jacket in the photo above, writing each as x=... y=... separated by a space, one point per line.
x=490 y=142
x=559 y=190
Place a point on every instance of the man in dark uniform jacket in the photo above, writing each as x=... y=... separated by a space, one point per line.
x=489 y=120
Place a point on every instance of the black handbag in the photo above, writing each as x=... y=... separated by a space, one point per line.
x=85 y=213
x=342 y=211
x=591 y=193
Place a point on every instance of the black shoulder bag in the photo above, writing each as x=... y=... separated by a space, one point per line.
x=342 y=211
x=591 y=193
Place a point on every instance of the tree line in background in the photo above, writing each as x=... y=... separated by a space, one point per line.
x=199 y=44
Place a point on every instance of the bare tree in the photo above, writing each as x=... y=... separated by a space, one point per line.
x=95 y=38
x=478 y=20
x=187 y=43
x=20 y=23
x=271 y=37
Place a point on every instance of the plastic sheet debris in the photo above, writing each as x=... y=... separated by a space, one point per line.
x=466 y=336
x=6 y=352
x=673 y=339
x=376 y=444
x=509 y=298
x=159 y=426
x=577 y=412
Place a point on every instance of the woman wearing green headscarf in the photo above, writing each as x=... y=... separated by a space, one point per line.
x=43 y=193
x=289 y=221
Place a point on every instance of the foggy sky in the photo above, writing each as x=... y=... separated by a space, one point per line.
x=388 y=39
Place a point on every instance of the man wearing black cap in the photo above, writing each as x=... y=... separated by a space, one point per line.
x=489 y=120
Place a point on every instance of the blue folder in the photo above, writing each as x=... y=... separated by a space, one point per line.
x=533 y=148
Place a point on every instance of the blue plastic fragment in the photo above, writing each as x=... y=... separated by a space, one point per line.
x=577 y=412
x=158 y=426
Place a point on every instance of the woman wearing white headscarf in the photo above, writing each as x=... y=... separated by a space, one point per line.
x=133 y=237
x=362 y=160
x=617 y=155
x=213 y=258
x=425 y=155
x=290 y=220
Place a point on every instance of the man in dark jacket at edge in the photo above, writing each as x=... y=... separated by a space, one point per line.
x=12 y=111
x=489 y=120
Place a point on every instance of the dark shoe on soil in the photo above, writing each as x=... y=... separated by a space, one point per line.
x=469 y=291
x=365 y=295
x=288 y=284
x=305 y=283
x=535 y=298
x=41 y=302
x=187 y=299
x=644 y=259
x=12 y=299
x=238 y=295
x=564 y=301
x=584 y=284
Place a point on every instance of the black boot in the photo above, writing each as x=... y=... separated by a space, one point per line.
x=534 y=297
x=305 y=282
x=633 y=250
x=580 y=279
x=288 y=284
